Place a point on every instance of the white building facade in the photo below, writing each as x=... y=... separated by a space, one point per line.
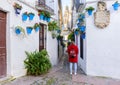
x=101 y=45
x=13 y=54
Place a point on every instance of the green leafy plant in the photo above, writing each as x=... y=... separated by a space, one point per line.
x=90 y=8
x=52 y=26
x=37 y=25
x=47 y=14
x=37 y=63
x=41 y=13
x=31 y=13
x=17 y=6
x=71 y=36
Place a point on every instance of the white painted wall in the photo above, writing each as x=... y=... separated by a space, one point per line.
x=16 y=45
x=102 y=54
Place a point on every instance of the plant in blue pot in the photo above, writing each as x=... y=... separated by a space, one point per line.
x=19 y=30
x=41 y=15
x=31 y=16
x=89 y=10
x=76 y=31
x=82 y=28
x=83 y=35
x=47 y=15
x=17 y=8
x=24 y=16
x=37 y=27
x=116 y=5
x=29 y=30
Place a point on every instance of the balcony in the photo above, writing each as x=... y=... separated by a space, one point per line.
x=41 y=5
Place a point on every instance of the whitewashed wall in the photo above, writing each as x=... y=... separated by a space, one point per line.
x=17 y=45
x=103 y=56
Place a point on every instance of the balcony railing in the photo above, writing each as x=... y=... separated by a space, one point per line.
x=41 y=5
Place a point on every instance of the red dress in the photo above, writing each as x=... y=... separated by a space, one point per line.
x=75 y=59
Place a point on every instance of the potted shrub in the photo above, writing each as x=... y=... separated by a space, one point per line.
x=31 y=16
x=19 y=30
x=37 y=27
x=116 y=5
x=41 y=15
x=17 y=8
x=29 y=30
x=89 y=10
x=24 y=16
x=82 y=28
x=37 y=63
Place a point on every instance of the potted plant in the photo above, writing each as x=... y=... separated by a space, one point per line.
x=47 y=16
x=24 y=16
x=116 y=5
x=76 y=31
x=89 y=10
x=41 y=15
x=29 y=30
x=37 y=27
x=83 y=35
x=82 y=28
x=31 y=16
x=17 y=8
x=19 y=30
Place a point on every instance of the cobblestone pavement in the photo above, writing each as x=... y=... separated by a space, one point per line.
x=59 y=75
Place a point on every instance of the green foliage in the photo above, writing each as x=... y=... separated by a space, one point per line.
x=36 y=25
x=37 y=63
x=47 y=14
x=89 y=8
x=71 y=36
x=52 y=26
x=17 y=6
x=41 y=13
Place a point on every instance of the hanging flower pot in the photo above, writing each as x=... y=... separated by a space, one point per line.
x=76 y=31
x=31 y=16
x=89 y=10
x=24 y=16
x=37 y=27
x=17 y=8
x=82 y=28
x=41 y=15
x=19 y=30
x=116 y=5
x=29 y=30
x=48 y=19
x=83 y=35
x=17 y=11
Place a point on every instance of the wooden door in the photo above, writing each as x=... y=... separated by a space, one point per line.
x=2 y=44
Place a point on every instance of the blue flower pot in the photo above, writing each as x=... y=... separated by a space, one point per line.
x=83 y=36
x=115 y=6
x=41 y=17
x=31 y=16
x=82 y=16
x=90 y=12
x=24 y=17
x=37 y=29
x=76 y=32
x=82 y=28
x=28 y=30
x=58 y=31
x=45 y=18
x=17 y=11
x=48 y=19
x=17 y=31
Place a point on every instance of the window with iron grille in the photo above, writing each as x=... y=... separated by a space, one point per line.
x=42 y=37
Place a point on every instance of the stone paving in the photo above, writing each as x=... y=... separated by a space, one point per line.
x=59 y=75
